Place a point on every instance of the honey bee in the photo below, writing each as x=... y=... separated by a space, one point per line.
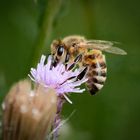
x=85 y=53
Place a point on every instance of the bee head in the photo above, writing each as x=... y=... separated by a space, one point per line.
x=59 y=51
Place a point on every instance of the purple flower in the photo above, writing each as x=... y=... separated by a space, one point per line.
x=62 y=80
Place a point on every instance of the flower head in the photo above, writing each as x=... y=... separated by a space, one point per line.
x=62 y=80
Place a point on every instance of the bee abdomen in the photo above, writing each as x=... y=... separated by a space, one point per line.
x=96 y=76
x=95 y=84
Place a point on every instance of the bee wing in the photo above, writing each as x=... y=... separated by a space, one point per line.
x=107 y=46
x=103 y=42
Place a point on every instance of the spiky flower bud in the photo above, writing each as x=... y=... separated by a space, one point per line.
x=28 y=114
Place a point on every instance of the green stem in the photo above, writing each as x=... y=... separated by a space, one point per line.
x=89 y=17
x=51 y=9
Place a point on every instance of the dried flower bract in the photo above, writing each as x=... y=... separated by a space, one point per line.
x=28 y=114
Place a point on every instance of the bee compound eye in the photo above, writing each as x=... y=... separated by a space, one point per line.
x=60 y=50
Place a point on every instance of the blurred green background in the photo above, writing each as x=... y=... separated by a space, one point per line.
x=114 y=114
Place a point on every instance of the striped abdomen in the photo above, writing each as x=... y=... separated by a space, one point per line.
x=96 y=71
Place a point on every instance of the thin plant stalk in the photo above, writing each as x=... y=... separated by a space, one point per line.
x=52 y=8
